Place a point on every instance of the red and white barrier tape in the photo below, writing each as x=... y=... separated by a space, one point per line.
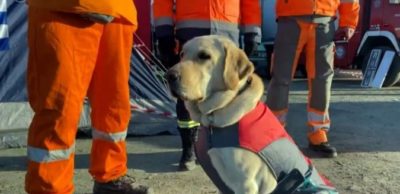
x=137 y=108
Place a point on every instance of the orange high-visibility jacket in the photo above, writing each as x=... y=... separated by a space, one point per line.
x=348 y=9
x=227 y=15
x=124 y=9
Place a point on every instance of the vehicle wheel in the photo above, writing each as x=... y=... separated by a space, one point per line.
x=393 y=74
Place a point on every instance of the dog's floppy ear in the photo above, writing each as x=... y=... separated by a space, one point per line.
x=237 y=66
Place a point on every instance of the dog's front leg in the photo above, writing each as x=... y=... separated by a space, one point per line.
x=193 y=110
x=216 y=101
x=242 y=171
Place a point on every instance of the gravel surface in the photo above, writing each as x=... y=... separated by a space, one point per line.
x=365 y=130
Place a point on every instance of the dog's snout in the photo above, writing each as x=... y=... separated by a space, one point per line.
x=173 y=76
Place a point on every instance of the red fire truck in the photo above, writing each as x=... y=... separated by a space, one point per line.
x=378 y=32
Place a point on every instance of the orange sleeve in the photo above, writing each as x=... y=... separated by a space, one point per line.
x=163 y=17
x=124 y=9
x=349 y=13
x=250 y=14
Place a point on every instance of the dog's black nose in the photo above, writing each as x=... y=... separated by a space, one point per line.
x=172 y=76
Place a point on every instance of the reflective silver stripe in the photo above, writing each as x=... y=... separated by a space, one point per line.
x=164 y=21
x=251 y=28
x=325 y=127
x=314 y=117
x=188 y=124
x=113 y=137
x=193 y=24
x=282 y=156
x=43 y=156
x=207 y=24
x=318 y=121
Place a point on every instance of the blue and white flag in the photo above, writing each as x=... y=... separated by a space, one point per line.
x=3 y=25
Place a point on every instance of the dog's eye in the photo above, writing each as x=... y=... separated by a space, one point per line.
x=204 y=55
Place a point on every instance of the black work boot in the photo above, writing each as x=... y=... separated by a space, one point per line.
x=318 y=142
x=188 y=138
x=325 y=149
x=122 y=185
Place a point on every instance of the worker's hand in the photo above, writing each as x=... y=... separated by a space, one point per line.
x=344 y=33
x=98 y=18
x=250 y=43
x=166 y=48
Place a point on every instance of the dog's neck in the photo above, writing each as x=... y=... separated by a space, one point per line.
x=245 y=85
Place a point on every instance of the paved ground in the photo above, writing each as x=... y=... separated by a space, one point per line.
x=366 y=131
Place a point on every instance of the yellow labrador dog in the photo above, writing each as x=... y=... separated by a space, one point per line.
x=249 y=150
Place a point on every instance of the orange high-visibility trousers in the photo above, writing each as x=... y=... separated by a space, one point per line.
x=316 y=39
x=71 y=58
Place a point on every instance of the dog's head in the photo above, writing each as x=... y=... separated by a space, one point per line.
x=208 y=64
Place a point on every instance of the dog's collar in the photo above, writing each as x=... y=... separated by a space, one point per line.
x=210 y=116
x=246 y=85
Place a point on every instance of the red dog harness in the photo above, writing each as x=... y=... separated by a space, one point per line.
x=260 y=132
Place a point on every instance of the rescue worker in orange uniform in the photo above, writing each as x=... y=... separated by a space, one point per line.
x=78 y=49
x=309 y=25
x=183 y=20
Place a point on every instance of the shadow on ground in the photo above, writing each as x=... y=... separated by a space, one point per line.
x=162 y=162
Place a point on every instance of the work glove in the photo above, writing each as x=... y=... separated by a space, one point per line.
x=250 y=43
x=98 y=18
x=344 y=33
x=166 y=48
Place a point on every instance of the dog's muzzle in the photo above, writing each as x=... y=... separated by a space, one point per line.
x=173 y=79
